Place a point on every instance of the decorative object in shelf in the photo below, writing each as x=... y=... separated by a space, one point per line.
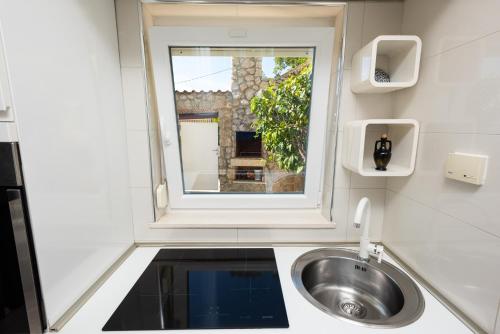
x=358 y=144
x=382 y=153
x=381 y=76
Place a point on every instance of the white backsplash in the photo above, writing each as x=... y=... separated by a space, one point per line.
x=449 y=232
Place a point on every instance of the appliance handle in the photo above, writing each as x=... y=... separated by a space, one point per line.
x=19 y=227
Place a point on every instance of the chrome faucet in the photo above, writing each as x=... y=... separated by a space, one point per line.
x=365 y=246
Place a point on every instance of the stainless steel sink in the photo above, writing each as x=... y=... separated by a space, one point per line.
x=369 y=293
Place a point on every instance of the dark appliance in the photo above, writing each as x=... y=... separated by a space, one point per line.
x=248 y=144
x=20 y=299
x=204 y=289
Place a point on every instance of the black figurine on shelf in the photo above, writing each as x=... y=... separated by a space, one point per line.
x=382 y=154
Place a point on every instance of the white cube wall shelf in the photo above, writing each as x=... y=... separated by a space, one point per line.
x=359 y=143
x=397 y=55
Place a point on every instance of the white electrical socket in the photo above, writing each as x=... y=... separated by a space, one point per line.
x=469 y=168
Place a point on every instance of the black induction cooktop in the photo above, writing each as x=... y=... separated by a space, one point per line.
x=204 y=289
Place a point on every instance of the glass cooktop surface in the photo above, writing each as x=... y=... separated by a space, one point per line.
x=204 y=289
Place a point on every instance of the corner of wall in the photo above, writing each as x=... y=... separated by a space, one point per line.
x=365 y=21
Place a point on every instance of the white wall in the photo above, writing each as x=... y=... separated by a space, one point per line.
x=141 y=130
x=449 y=232
x=366 y=20
x=65 y=75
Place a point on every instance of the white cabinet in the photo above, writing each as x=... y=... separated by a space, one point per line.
x=6 y=112
x=359 y=141
x=396 y=55
x=64 y=72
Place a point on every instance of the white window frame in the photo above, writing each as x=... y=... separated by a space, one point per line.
x=322 y=39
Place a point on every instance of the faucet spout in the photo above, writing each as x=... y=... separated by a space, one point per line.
x=366 y=248
x=364 y=207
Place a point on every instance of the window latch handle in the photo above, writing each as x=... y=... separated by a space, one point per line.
x=167 y=140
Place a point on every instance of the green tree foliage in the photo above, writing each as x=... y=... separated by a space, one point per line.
x=282 y=113
x=282 y=64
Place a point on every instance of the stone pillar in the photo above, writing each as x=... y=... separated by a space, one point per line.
x=246 y=81
x=247 y=77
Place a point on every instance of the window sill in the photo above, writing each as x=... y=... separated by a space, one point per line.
x=243 y=219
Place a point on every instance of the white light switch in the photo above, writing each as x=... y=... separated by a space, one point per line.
x=470 y=168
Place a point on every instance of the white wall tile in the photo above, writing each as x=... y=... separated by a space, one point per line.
x=129 y=36
x=340 y=211
x=354 y=31
x=138 y=156
x=453 y=256
x=457 y=90
x=362 y=106
x=290 y=235
x=156 y=152
x=347 y=110
x=367 y=20
x=142 y=205
x=476 y=205
x=381 y=18
x=326 y=200
x=371 y=182
x=374 y=106
x=143 y=233
x=446 y=24
x=342 y=175
x=134 y=97
x=377 y=199
x=329 y=159
x=327 y=188
x=134 y=92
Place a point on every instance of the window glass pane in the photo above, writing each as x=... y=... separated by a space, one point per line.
x=243 y=117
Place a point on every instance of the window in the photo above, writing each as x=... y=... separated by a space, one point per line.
x=226 y=101
x=242 y=114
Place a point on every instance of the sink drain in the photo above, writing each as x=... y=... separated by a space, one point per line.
x=353 y=309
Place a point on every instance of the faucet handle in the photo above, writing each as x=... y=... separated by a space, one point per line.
x=379 y=251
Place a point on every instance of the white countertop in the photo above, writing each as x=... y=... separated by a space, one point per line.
x=303 y=317
x=8 y=132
